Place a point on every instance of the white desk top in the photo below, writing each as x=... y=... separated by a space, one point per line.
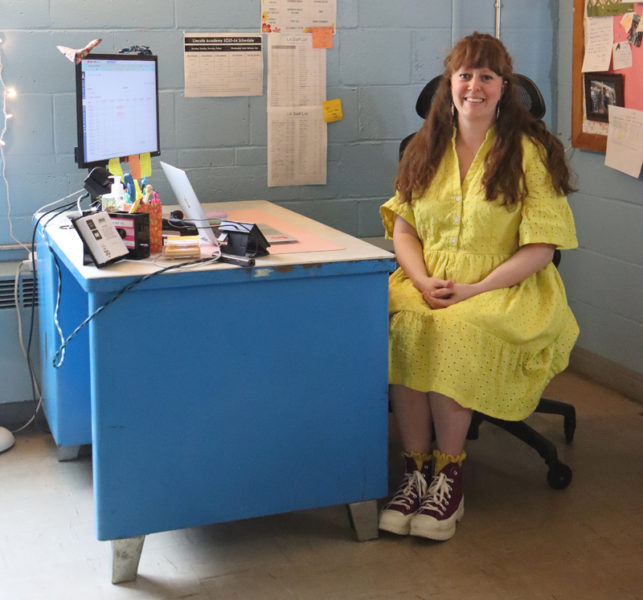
x=63 y=235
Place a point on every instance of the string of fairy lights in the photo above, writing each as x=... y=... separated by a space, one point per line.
x=8 y=94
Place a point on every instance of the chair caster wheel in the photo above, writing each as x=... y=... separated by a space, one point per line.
x=559 y=476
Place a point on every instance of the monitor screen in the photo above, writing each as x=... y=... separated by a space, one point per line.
x=117 y=107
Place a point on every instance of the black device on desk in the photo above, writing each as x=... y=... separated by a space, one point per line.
x=134 y=229
x=177 y=226
x=242 y=239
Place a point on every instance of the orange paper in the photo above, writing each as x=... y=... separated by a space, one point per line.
x=134 y=166
x=322 y=37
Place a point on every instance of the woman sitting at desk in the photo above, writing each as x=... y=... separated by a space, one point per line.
x=478 y=314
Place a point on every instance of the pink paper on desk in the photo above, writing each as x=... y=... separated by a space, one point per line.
x=306 y=241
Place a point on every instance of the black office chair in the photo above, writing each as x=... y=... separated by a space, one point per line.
x=559 y=475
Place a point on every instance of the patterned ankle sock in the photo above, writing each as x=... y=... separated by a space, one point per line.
x=441 y=459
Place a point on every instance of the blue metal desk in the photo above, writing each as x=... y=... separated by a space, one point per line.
x=222 y=393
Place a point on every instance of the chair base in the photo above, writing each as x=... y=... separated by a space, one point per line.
x=559 y=475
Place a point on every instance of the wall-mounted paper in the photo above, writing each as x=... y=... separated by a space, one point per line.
x=297 y=137
x=608 y=8
x=297 y=146
x=296 y=71
x=599 y=35
x=625 y=140
x=622 y=56
x=222 y=64
x=297 y=16
x=322 y=37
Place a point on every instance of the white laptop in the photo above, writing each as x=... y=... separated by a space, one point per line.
x=186 y=197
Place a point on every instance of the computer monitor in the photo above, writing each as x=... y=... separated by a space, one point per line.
x=117 y=107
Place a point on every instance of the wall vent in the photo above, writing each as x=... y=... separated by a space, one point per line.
x=28 y=293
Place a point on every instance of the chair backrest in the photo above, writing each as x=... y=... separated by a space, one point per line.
x=528 y=94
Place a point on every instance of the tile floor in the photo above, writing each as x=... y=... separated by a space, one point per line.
x=519 y=539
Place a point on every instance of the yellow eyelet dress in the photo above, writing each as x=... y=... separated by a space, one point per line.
x=494 y=352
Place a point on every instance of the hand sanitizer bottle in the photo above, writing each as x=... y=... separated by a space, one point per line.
x=116 y=199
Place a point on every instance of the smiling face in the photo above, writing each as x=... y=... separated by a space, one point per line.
x=475 y=93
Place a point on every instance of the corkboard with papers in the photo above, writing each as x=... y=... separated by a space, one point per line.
x=588 y=134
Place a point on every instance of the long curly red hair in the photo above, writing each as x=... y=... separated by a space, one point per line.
x=503 y=173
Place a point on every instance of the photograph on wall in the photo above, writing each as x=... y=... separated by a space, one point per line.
x=601 y=91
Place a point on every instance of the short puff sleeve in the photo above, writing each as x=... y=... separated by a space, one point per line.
x=546 y=216
x=391 y=209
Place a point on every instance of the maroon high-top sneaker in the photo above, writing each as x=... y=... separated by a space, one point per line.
x=441 y=507
x=397 y=514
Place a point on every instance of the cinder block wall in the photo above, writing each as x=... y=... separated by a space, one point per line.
x=383 y=54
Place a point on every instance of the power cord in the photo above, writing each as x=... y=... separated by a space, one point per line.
x=59 y=354
x=35 y=388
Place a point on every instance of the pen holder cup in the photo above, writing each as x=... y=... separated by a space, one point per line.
x=156 y=225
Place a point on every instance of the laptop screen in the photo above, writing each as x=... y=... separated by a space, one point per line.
x=190 y=205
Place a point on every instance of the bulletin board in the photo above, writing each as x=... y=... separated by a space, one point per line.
x=592 y=135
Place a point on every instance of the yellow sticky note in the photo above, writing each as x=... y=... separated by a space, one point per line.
x=146 y=164
x=114 y=167
x=332 y=110
x=134 y=166
x=322 y=37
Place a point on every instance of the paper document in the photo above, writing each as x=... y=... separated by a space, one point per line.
x=599 y=36
x=297 y=146
x=296 y=71
x=622 y=56
x=222 y=64
x=625 y=140
x=297 y=140
x=297 y=16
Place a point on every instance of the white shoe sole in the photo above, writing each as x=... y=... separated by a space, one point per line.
x=394 y=522
x=432 y=529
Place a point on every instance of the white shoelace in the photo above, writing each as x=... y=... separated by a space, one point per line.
x=439 y=493
x=408 y=494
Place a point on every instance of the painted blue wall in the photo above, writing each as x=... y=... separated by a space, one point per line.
x=383 y=54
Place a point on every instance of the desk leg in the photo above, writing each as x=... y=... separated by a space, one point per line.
x=363 y=517
x=66 y=453
x=126 y=554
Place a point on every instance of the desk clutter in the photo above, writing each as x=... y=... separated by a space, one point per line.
x=127 y=222
x=136 y=212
